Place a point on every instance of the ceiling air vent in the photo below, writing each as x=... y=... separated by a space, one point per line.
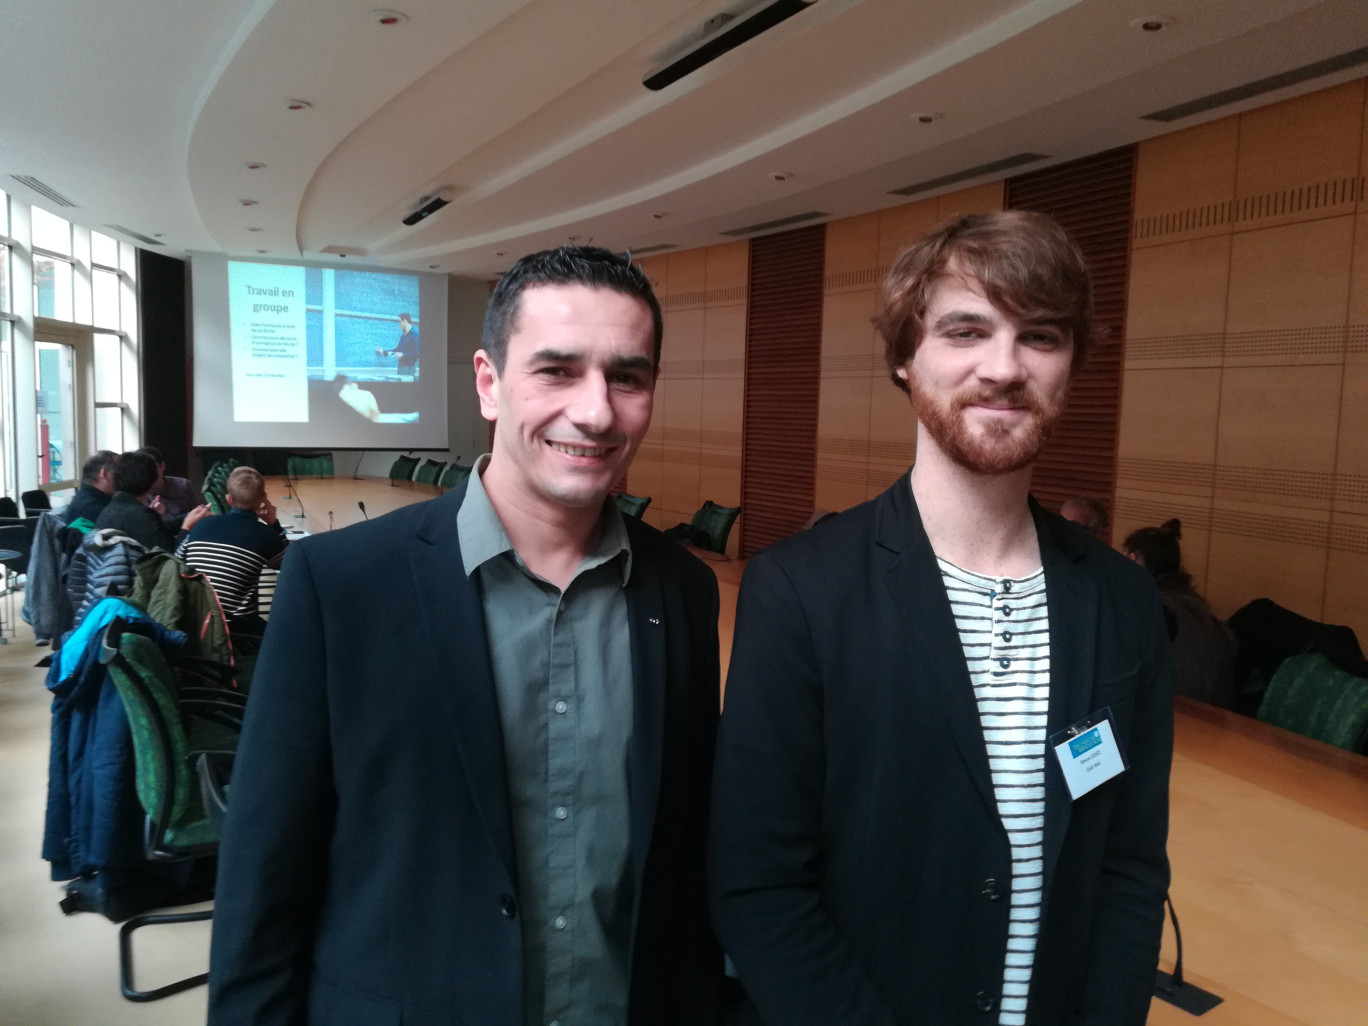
x=1263 y=85
x=1005 y=164
x=138 y=236
x=783 y=222
x=43 y=189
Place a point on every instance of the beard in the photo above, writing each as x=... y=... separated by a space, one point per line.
x=996 y=448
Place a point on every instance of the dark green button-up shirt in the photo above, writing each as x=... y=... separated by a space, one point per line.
x=563 y=673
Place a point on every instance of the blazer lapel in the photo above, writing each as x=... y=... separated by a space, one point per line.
x=450 y=606
x=934 y=655
x=1071 y=595
x=648 y=624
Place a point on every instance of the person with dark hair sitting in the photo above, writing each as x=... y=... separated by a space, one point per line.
x=134 y=475
x=1203 y=649
x=170 y=496
x=97 y=485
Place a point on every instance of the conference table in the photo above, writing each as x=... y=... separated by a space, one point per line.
x=1268 y=832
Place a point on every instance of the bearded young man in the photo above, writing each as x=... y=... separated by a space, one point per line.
x=941 y=793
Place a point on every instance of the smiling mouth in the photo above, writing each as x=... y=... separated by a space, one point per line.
x=578 y=450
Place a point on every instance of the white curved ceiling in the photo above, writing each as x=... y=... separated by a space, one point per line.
x=147 y=113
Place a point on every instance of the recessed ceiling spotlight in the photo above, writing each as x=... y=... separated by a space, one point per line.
x=927 y=118
x=388 y=18
x=434 y=267
x=781 y=176
x=661 y=215
x=1157 y=24
x=157 y=235
x=263 y=251
x=574 y=238
x=297 y=104
x=254 y=229
x=248 y=203
x=255 y=165
x=500 y=252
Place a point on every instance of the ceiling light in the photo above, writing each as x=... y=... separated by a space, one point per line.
x=928 y=118
x=389 y=18
x=781 y=176
x=248 y=203
x=1157 y=24
x=254 y=229
x=661 y=215
x=297 y=104
x=263 y=251
x=255 y=165
x=500 y=252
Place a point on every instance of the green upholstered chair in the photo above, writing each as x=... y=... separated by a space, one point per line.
x=1312 y=696
x=709 y=527
x=429 y=472
x=216 y=484
x=632 y=505
x=402 y=469
x=454 y=475
x=171 y=728
x=309 y=464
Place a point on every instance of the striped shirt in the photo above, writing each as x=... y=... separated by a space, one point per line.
x=231 y=550
x=1004 y=627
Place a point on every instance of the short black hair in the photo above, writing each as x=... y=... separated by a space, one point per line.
x=592 y=266
x=95 y=463
x=154 y=452
x=339 y=381
x=406 y=317
x=134 y=473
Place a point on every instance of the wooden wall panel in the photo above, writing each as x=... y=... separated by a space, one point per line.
x=1250 y=280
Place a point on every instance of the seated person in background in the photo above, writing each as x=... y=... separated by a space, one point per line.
x=232 y=550
x=363 y=402
x=134 y=475
x=171 y=496
x=1089 y=514
x=1203 y=649
x=97 y=485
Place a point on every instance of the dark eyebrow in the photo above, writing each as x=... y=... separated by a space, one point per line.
x=641 y=363
x=556 y=356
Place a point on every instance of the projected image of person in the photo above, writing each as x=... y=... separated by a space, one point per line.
x=406 y=348
x=364 y=403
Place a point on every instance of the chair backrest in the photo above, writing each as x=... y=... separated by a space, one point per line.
x=9 y=509
x=36 y=501
x=429 y=472
x=454 y=475
x=403 y=467
x=216 y=484
x=309 y=464
x=1310 y=695
x=16 y=536
x=712 y=524
x=176 y=821
x=632 y=505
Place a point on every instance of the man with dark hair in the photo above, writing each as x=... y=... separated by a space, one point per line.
x=233 y=549
x=171 y=496
x=509 y=694
x=97 y=485
x=941 y=792
x=406 y=348
x=134 y=475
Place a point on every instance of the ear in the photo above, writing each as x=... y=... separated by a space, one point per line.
x=487 y=385
x=905 y=371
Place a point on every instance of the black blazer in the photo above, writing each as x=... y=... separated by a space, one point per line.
x=860 y=869
x=367 y=870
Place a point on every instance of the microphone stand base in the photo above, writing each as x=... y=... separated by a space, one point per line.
x=1187 y=996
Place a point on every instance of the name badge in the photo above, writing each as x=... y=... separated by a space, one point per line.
x=1088 y=753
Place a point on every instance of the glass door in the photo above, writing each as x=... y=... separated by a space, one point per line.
x=63 y=369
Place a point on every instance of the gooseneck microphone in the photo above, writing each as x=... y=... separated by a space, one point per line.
x=329 y=520
x=362 y=507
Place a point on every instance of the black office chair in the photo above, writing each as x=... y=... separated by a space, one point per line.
x=9 y=509
x=35 y=501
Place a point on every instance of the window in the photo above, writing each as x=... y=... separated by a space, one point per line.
x=51 y=233
x=52 y=295
x=104 y=251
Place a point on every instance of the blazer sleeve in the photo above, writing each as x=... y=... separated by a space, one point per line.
x=765 y=845
x=273 y=854
x=1128 y=916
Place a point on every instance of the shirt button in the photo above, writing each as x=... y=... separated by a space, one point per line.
x=562 y=812
x=1006 y=610
x=1004 y=663
x=507 y=905
x=560 y=707
x=560 y=922
x=1006 y=635
x=984 y=1001
x=991 y=890
x=1006 y=585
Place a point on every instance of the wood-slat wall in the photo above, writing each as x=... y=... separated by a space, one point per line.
x=783 y=368
x=1091 y=198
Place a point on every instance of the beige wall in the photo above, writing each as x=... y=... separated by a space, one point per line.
x=865 y=427
x=1245 y=393
x=693 y=449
